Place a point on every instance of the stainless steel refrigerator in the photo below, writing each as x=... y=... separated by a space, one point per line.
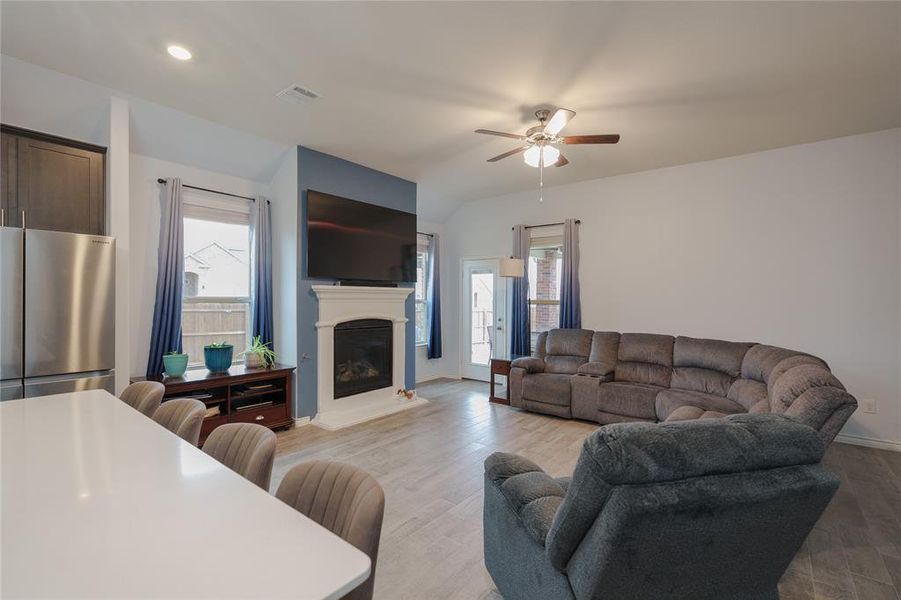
x=57 y=312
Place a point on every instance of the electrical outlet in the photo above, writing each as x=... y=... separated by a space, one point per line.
x=868 y=405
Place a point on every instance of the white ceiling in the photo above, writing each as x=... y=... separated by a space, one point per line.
x=404 y=84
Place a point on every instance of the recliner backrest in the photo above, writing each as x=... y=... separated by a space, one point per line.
x=645 y=358
x=660 y=499
x=708 y=366
x=566 y=350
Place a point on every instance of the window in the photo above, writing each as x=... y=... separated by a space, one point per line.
x=422 y=284
x=216 y=296
x=545 y=273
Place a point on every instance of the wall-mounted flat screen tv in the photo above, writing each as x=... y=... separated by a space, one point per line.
x=356 y=241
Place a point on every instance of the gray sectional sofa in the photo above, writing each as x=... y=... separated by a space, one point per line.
x=608 y=377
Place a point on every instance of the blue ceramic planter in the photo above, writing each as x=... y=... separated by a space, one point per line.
x=175 y=364
x=218 y=359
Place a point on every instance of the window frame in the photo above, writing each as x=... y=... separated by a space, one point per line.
x=218 y=209
x=422 y=247
x=547 y=237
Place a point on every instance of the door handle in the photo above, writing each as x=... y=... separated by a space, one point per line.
x=2 y=217
x=23 y=218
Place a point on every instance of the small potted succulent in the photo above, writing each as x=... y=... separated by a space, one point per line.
x=175 y=363
x=218 y=356
x=259 y=355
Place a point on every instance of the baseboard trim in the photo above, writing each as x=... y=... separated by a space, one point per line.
x=859 y=440
x=301 y=421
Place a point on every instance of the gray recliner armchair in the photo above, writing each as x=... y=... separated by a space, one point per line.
x=703 y=509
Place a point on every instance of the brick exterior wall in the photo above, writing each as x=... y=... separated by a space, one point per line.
x=546 y=316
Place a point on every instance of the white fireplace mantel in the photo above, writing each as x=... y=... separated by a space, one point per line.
x=339 y=304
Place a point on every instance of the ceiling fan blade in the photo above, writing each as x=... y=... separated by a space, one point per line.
x=561 y=161
x=610 y=138
x=510 y=153
x=501 y=134
x=558 y=121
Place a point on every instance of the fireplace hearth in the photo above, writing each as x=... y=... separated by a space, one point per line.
x=363 y=356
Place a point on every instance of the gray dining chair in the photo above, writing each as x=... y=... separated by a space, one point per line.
x=183 y=417
x=344 y=499
x=144 y=396
x=246 y=448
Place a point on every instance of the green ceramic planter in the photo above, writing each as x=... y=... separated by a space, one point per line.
x=175 y=364
x=218 y=359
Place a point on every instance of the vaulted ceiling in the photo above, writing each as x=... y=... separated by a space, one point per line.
x=403 y=85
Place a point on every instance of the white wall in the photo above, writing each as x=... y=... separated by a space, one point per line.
x=446 y=366
x=284 y=197
x=145 y=227
x=796 y=247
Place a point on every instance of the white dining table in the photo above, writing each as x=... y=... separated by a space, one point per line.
x=98 y=501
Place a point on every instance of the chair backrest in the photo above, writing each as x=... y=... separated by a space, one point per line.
x=183 y=417
x=144 y=396
x=345 y=500
x=246 y=448
x=706 y=509
x=566 y=350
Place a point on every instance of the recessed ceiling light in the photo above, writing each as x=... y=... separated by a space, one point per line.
x=179 y=52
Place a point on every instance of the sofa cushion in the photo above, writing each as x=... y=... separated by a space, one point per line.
x=747 y=392
x=568 y=365
x=706 y=381
x=549 y=388
x=761 y=359
x=597 y=369
x=669 y=400
x=604 y=348
x=628 y=399
x=530 y=363
x=644 y=453
x=645 y=358
x=530 y=492
x=795 y=382
x=715 y=355
x=540 y=349
x=569 y=342
x=688 y=413
x=708 y=366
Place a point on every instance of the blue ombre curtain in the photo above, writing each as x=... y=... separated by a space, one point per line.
x=261 y=265
x=433 y=295
x=165 y=335
x=570 y=303
x=520 y=335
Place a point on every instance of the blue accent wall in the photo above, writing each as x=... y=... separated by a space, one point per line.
x=332 y=175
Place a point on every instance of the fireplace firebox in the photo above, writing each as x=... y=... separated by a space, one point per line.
x=363 y=355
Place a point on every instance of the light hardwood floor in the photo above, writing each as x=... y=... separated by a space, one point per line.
x=429 y=461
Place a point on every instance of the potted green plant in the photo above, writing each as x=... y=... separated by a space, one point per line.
x=259 y=355
x=218 y=356
x=175 y=363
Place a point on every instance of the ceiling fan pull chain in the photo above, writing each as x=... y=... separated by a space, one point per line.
x=541 y=179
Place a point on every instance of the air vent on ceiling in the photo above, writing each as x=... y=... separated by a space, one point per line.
x=298 y=93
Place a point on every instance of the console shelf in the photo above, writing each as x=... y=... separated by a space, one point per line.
x=230 y=389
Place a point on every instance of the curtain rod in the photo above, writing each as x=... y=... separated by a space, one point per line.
x=202 y=189
x=425 y=234
x=578 y=222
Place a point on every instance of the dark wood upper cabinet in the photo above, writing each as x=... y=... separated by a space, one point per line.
x=54 y=183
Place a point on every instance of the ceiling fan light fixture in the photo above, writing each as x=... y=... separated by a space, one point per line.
x=534 y=155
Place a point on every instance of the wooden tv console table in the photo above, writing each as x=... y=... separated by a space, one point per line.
x=240 y=395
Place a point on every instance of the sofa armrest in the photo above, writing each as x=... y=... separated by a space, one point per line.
x=597 y=369
x=531 y=364
x=533 y=495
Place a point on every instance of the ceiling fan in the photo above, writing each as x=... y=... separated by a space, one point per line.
x=539 y=148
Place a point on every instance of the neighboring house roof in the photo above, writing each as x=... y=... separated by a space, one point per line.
x=215 y=248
